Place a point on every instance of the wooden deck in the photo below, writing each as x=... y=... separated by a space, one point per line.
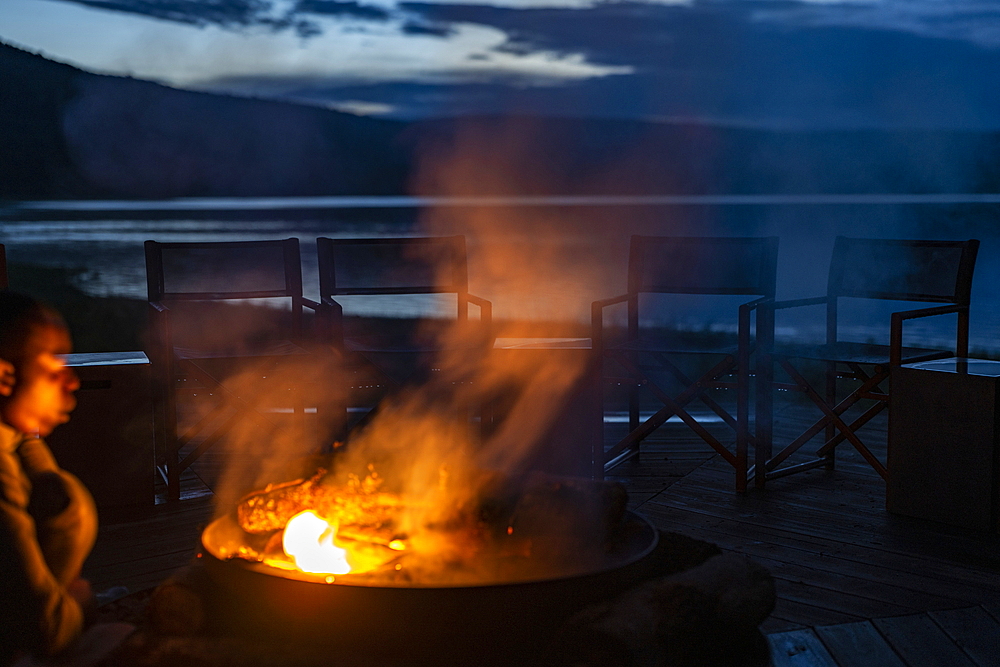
x=856 y=585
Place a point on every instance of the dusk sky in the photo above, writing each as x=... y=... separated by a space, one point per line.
x=861 y=63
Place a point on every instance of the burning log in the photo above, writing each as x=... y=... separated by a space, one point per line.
x=515 y=527
x=707 y=615
x=358 y=503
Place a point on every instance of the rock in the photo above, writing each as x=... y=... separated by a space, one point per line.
x=707 y=615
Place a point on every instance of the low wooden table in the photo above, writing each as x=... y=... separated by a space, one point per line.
x=944 y=442
x=108 y=442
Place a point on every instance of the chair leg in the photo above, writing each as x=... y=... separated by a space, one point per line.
x=763 y=420
x=831 y=401
x=742 y=418
x=172 y=459
x=633 y=413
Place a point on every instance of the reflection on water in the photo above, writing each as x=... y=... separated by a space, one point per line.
x=109 y=255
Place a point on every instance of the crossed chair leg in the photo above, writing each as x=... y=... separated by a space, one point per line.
x=837 y=429
x=675 y=405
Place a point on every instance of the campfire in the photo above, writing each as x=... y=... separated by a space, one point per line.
x=344 y=528
x=355 y=562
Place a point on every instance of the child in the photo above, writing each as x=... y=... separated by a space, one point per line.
x=48 y=521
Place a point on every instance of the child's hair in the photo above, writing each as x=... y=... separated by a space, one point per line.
x=20 y=314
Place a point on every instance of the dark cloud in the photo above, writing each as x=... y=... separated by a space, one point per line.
x=198 y=12
x=433 y=29
x=244 y=13
x=778 y=63
x=342 y=8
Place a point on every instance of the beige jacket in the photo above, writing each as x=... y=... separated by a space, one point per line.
x=48 y=523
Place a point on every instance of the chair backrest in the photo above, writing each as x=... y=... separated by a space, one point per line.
x=903 y=270
x=373 y=266
x=226 y=270
x=703 y=265
x=223 y=270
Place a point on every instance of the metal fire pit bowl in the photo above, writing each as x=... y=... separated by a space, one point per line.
x=485 y=624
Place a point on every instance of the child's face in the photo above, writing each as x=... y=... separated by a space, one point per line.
x=42 y=395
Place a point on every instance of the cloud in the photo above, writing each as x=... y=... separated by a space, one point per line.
x=362 y=108
x=192 y=44
x=774 y=63
x=975 y=21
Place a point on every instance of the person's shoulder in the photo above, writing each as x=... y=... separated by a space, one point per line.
x=36 y=457
x=12 y=480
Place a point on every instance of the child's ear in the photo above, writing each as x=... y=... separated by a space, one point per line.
x=7 y=378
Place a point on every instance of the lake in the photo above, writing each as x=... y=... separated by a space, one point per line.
x=537 y=258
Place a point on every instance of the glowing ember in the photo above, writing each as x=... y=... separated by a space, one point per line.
x=309 y=541
x=516 y=528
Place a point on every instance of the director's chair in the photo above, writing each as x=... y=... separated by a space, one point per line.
x=213 y=319
x=410 y=270
x=881 y=269
x=710 y=266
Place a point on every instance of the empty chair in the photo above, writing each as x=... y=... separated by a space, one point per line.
x=646 y=362
x=212 y=318
x=874 y=269
x=383 y=361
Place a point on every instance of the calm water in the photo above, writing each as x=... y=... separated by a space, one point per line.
x=104 y=241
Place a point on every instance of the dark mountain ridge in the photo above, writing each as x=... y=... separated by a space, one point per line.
x=66 y=133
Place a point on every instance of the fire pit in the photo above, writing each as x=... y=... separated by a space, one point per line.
x=531 y=573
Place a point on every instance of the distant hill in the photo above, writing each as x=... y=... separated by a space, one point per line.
x=65 y=133
x=69 y=133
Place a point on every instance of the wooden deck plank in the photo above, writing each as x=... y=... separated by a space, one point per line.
x=930 y=593
x=974 y=630
x=992 y=608
x=905 y=599
x=804 y=614
x=141 y=554
x=846 y=603
x=920 y=642
x=773 y=624
x=862 y=504
x=975 y=585
x=858 y=645
x=701 y=491
x=799 y=648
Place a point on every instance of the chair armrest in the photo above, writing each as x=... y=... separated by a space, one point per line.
x=763 y=319
x=751 y=305
x=162 y=348
x=309 y=303
x=896 y=329
x=795 y=303
x=597 y=320
x=604 y=303
x=485 y=308
x=330 y=321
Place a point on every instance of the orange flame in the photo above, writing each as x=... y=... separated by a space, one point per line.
x=309 y=542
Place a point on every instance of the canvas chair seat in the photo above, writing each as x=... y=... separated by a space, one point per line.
x=279 y=348
x=668 y=346
x=867 y=354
